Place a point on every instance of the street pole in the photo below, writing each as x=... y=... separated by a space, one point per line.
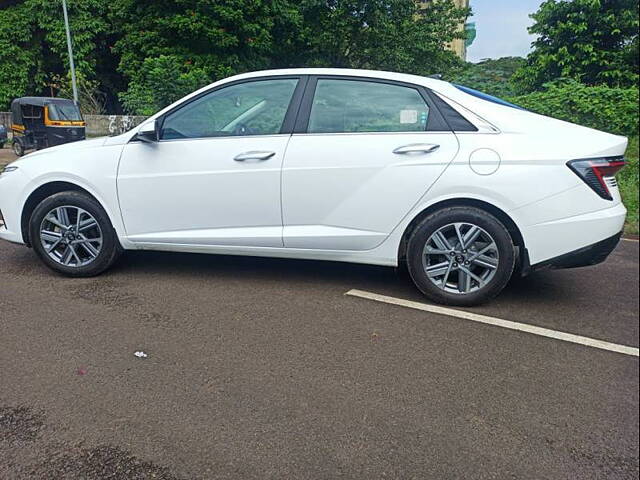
x=73 y=68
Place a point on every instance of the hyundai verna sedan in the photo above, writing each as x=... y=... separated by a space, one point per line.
x=346 y=165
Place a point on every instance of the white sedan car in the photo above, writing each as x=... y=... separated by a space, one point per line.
x=329 y=164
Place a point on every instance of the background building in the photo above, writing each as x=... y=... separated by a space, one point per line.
x=459 y=45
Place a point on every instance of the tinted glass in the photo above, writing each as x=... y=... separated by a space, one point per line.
x=362 y=106
x=487 y=97
x=254 y=108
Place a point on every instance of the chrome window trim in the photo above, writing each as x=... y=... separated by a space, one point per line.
x=229 y=137
x=306 y=134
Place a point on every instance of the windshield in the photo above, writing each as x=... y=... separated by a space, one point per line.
x=486 y=96
x=64 y=111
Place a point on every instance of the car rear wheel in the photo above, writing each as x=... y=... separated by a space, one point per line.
x=72 y=234
x=460 y=256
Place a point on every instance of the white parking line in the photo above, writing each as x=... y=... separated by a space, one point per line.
x=474 y=317
x=635 y=240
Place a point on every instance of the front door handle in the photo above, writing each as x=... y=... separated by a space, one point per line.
x=416 y=148
x=256 y=155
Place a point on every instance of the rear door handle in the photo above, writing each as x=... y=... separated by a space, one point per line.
x=255 y=155
x=416 y=148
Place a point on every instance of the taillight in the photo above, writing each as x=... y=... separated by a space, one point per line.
x=598 y=173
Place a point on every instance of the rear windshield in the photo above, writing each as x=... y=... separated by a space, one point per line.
x=487 y=97
x=64 y=111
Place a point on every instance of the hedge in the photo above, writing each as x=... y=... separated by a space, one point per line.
x=613 y=110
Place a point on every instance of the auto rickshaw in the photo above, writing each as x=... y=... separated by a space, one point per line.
x=41 y=122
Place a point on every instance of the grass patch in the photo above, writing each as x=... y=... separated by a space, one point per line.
x=628 y=180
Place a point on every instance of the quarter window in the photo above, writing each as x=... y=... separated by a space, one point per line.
x=252 y=108
x=363 y=106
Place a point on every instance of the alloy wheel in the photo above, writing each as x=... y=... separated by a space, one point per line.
x=460 y=258
x=71 y=236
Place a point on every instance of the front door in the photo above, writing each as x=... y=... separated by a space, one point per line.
x=369 y=151
x=213 y=178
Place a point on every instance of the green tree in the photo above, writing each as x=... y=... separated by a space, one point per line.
x=205 y=38
x=160 y=82
x=221 y=36
x=592 y=41
x=147 y=52
x=214 y=39
x=33 y=49
x=20 y=61
x=379 y=34
x=492 y=76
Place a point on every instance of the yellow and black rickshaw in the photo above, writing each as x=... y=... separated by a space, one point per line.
x=41 y=122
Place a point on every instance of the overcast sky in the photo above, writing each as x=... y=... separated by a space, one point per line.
x=502 y=28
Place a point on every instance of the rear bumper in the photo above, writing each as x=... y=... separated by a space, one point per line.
x=549 y=240
x=583 y=257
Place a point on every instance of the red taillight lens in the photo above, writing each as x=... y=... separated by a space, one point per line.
x=596 y=171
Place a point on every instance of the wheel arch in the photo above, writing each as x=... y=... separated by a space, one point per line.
x=501 y=215
x=42 y=192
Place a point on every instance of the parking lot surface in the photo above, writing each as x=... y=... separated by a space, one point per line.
x=264 y=368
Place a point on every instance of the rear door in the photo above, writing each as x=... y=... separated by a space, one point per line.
x=364 y=151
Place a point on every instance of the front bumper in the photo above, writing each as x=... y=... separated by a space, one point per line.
x=12 y=186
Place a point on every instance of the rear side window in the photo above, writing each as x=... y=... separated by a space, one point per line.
x=456 y=122
x=345 y=106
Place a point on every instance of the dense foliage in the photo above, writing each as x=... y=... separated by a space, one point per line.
x=628 y=179
x=605 y=108
x=159 y=82
x=592 y=41
x=144 y=54
x=33 y=49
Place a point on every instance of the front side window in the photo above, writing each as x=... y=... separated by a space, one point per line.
x=363 y=106
x=31 y=111
x=252 y=108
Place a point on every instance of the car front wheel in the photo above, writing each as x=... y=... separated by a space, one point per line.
x=460 y=256
x=72 y=234
x=18 y=149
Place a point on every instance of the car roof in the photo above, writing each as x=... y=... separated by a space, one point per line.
x=349 y=72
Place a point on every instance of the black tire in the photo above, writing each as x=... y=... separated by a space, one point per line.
x=110 y=248
x=452 y=215
x=18 y=149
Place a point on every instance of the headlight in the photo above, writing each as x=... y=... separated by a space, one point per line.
x=8 y=169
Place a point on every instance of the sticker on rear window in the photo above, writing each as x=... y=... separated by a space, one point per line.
x=408 y=116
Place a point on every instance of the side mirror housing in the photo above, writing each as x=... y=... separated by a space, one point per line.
x=149 y=132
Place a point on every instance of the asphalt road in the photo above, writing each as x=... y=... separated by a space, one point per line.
x=263 y=368
x=6 y=156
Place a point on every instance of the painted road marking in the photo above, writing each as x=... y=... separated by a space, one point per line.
x=498 y=322
x=635 y=240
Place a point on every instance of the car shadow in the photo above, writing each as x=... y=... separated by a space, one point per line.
x=542 y=287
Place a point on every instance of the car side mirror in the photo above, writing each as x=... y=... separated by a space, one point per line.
x=149 y=132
